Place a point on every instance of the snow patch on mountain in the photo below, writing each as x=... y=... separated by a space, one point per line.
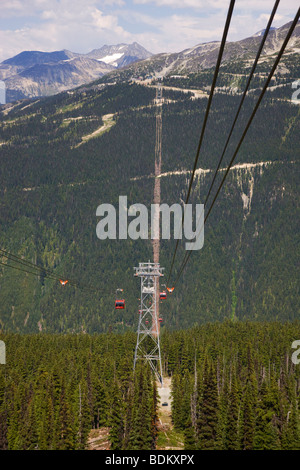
x=111 y=59
x=262 y=32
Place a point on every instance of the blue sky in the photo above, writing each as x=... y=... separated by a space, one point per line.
x=158 y=25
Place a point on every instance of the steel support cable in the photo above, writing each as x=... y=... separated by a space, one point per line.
x=19 y=269
x=36 y=273
x=244 y=94
x=17 y=259
x=290 y=32
x=241 y=102
x=221 y=50
x=47 y=273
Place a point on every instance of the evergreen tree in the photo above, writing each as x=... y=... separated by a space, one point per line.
x=140 y=436
x=207 y=422
x=116 y=434
x=154 y=417
x=189 y=436
x=291 y=429
x=266 y=431
x=3 y=414
x=248 y=418
x=249 y=404
x=232 y=422
x=66 y=434
x=129 y=412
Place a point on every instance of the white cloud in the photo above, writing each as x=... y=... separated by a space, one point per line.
x=174 y=3
x=32 y=7
x=82 y=25
x=65 y=24
x=175 y=32
x=252 y=5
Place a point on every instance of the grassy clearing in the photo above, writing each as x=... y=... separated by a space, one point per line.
x=170 y=439
x=108 y=123
x=71 y=107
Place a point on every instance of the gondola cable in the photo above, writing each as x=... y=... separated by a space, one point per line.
x=217 y=67
x=245 y=132
x=39 y=270
x=262 y=43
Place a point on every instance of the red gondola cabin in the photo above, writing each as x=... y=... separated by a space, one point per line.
x=163 y=295
x=120 y=303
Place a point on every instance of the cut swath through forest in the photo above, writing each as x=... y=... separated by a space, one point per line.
x=168 y=438
x=108 y=123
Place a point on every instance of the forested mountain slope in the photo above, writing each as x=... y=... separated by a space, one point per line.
x=54 y=174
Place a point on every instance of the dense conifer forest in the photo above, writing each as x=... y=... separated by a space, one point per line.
x=234 y=386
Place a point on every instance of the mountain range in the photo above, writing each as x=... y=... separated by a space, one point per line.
x=33 y=74
x=204 y=56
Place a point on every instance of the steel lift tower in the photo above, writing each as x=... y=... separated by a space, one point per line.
x=156 y=193
x=148 y=345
